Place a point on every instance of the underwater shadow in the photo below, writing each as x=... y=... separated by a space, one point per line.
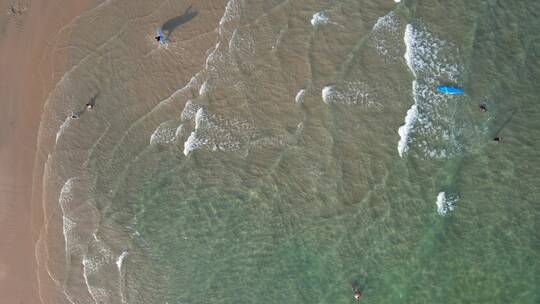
x=505 y=123
x=170 y=25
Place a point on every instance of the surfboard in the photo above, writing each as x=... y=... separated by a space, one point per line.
x=449 y=90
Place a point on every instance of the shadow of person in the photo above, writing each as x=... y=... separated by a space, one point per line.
x=170 y=25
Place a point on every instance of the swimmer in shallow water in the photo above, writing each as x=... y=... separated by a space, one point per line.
x=483 y=107
x=357 y=294
x=497 y=139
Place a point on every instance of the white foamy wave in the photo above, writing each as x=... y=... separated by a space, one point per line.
x=387 y=21
x=386 y=35
x=320 y=18
x=211 y=59
x=412 y=113
x=327 y=93
x=63 y=127
x=67 y=223
x=165 y=133
x=409 y=44
x=217 y=133
x=430 y=59
x=300 y=96
x=204 y=88
x=193 y=142
x=230 y=18
x=90 y=267
x=445 y=203
x=242 y=49
x=405 y=129
x=231 y=12
x=67 y=187
x=67 y=228
x=190 y=144
x=180 y=131
x=189 y=110
x=349 y=93
x=120 y=260
x=199 y=117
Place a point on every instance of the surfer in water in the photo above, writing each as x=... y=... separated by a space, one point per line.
x=497 y=140
x=160 y=37
x=357 y=293
x=483 y=107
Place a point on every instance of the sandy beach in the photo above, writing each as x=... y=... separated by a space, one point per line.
x=34 y=57
x=26 y=28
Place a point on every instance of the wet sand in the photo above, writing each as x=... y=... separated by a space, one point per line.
x=25 y=30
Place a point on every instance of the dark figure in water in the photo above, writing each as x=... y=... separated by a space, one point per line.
x=92 y=102
x=483 y=107
x=357 y=294
x=497 y=139
x=158 y=38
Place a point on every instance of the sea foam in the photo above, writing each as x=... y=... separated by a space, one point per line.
x=90 y=267
x=320 y=18
x=431 y=116
x=165 y=133
x=120 y=260
x=67 y=223
x=386 y=34
x=349 y=93
x=409 y=45
x=63 y=127
x=405 y=129
x=300 y=96
x=445 y=203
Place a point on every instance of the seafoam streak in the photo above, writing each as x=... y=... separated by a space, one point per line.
x=300 y=96
x=412 y=113
x=445 y=203
x=430 y=59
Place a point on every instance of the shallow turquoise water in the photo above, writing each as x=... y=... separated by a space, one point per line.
x=233 y=192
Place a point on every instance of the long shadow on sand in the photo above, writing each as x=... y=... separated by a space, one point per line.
x=170 y=25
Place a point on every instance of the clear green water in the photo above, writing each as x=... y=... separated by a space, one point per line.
x=279 y=201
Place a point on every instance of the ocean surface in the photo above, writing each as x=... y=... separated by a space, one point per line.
x=284 y=151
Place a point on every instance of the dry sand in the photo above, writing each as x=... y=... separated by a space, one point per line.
x=26 y=28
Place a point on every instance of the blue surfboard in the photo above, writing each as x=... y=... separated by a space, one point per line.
x=159 y=33
x=449 y=90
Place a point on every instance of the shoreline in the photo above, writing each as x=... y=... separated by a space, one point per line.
x=26 y=28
